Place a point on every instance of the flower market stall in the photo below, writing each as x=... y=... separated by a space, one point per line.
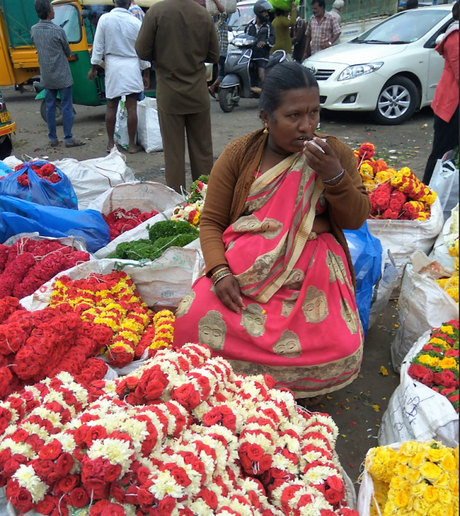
x=101 y=416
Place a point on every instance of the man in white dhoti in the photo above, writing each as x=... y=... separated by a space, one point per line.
x=125 y=73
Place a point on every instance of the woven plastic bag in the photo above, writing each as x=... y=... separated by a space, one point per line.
x=422 y=305
x=416 y=412
x=228 y=5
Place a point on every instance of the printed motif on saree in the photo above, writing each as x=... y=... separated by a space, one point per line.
x=300 y=324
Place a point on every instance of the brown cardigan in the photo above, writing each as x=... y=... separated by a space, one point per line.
x=347 y=203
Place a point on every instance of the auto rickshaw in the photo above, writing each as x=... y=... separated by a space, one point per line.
x=7 y=127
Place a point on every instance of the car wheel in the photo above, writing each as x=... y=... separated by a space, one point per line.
x=58 y=111
x=226 y=101
x=397 y=101
x=6 y=147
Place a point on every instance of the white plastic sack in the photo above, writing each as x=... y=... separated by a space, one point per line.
x=366 y=489
x=445 y=240
x=444 y=182
x=90 y=178
x=12 y=162
x=145 y=196
x=417 y=413
x=422 y=305
x=120 y=135
x=404 y=237
x=228 y=5
x=385 y=286
x=163 y=282
x=148 y=125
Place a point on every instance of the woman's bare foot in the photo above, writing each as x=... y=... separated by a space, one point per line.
x=135 y=149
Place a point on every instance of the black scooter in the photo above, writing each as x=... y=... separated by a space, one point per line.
x=241 y=73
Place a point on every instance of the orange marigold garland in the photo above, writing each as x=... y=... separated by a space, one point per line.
x=110 y=300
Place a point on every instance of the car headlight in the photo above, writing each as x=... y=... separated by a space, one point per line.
x=351 y=72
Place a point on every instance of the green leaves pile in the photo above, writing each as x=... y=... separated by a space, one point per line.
x=162 y=236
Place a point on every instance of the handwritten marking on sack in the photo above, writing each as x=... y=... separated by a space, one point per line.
x=409 y=404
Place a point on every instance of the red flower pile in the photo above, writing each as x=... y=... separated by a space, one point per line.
x=47 y=172
x=37 y=345
x=437 y=364
x=27 y=264
x=121 y=220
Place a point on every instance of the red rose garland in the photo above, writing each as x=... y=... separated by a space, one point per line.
x=47 y=172
x=121 y=220
x=28 y=264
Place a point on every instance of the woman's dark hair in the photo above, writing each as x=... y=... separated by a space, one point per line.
x=321 y=3
x=455 y=11
x=42 y=7
x=281 y=78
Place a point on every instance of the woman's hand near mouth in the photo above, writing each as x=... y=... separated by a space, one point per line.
x=324 y=162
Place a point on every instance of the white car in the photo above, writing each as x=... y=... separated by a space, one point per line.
x=391 y=70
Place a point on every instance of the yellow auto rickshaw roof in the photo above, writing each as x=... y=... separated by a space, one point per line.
x=141 y=3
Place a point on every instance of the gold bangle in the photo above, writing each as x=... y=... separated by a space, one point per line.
x=220 y=274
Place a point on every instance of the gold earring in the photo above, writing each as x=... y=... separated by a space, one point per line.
x=266 y=128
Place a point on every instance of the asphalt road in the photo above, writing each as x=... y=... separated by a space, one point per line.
x=357 y=409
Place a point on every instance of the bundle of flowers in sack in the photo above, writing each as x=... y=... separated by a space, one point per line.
x=110 y=301
x=450 y=284
x=436 y=365
x=393 y=194
x=190 y=211
x=47 y=172
x=183 y=436
x=121 y=220
x=419 y=479
x=162 y=236
x=40 y=344
x=27 y=264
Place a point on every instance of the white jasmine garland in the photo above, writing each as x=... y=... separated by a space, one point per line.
x=283 y=463
x=199 y=506
x=165 y=485
x=326 y=420
x=26 y=478
x=318 y=474
x=114 y=450
x=35 y=428
x=18 y=448
x=318 y=443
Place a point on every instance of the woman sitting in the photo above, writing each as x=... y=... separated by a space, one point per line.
x=278 y=296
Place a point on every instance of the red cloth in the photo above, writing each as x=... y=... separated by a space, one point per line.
x=445 y=99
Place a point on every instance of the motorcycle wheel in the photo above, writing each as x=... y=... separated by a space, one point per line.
x=226 y=102
x=58 y=111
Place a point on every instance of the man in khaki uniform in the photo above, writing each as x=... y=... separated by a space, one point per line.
x=178 y=36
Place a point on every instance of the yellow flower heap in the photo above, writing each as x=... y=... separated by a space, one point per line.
x=422 y=197
x=111 y=300
x=450 y=285
x=419 y=480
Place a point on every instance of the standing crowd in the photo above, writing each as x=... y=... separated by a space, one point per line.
x=175 y=38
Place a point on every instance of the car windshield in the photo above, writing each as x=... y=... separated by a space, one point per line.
x=406 y=27
x=239 y=19
x=67 y=17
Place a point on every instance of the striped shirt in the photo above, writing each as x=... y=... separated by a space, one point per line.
x=322 y=31
x=220 y=21
x=53 y=49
